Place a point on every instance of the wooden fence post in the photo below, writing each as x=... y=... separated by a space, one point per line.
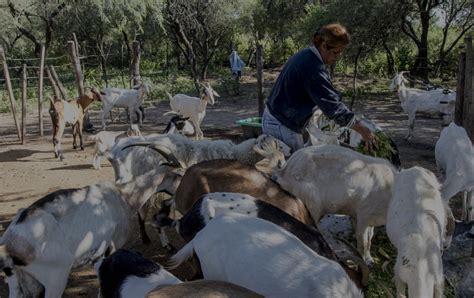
x=23 y=105
x=76 y=63
x=57 y=93
x=135 y=71
x=260 y=94
x=459 y=108
x=8 y=83
x=468 y=117
x=77 y=67
x=40 y=91
x=60 y=85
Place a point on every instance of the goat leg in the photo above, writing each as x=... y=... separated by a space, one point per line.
x=467 y=206
x=141 y=224
x=364 y=235
x=58 y=136
x=74 y=134
x=79 y=131
x=411 y=126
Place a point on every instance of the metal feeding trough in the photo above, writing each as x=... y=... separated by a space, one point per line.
x=251 y=127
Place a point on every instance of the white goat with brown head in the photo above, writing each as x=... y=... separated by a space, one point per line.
x=70 y=112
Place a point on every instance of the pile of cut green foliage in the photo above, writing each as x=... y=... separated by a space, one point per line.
x=384 y=148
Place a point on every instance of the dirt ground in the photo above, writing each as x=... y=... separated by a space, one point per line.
x=30 y=171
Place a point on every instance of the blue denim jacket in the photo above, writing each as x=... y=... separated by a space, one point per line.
x=304 y=84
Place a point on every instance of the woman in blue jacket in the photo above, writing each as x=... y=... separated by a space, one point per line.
x=304 y=85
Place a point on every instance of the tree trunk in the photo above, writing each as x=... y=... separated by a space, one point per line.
x=8 y=83
x=23 y=104
x=459 y=108
x=40 y=91
x=135 y=66
x=420 y=67
x=390 y=60
x=354 y=79
x=260 y=94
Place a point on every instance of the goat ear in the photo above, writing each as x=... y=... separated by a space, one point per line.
x=215 y=93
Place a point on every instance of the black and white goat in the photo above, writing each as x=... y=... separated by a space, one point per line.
x=217 y=203
x=179 y=125
x=127 y=274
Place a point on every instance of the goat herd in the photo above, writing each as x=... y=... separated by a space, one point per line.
x=249 y=210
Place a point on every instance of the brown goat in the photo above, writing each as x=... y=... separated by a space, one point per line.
x=70 y=112
x=232 y=176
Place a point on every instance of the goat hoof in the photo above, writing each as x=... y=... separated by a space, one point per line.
x=74 y=147
x=82 y=148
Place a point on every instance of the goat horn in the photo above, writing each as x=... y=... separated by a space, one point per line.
x=357 y=258
x=173 y=161
x=361 y=265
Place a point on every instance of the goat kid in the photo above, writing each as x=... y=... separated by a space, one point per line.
x=70 y=228
x=193 y=107
x=105 y=140
x=70 y=112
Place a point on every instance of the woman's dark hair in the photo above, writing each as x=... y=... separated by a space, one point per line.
x=335 y=35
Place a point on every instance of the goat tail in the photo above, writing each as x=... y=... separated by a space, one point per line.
x=181 y=256
x=169 y=95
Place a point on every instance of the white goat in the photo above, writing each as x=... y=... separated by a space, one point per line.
x=129 y=160
x=265 y=258
x=193 y=107
x=127 y=274
x=70 y=228
x=189 y=152
x=105 y=140
x=455 y=160
x=417 y=100
x=331 y=179
x=124 y=98
x=416 y=225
